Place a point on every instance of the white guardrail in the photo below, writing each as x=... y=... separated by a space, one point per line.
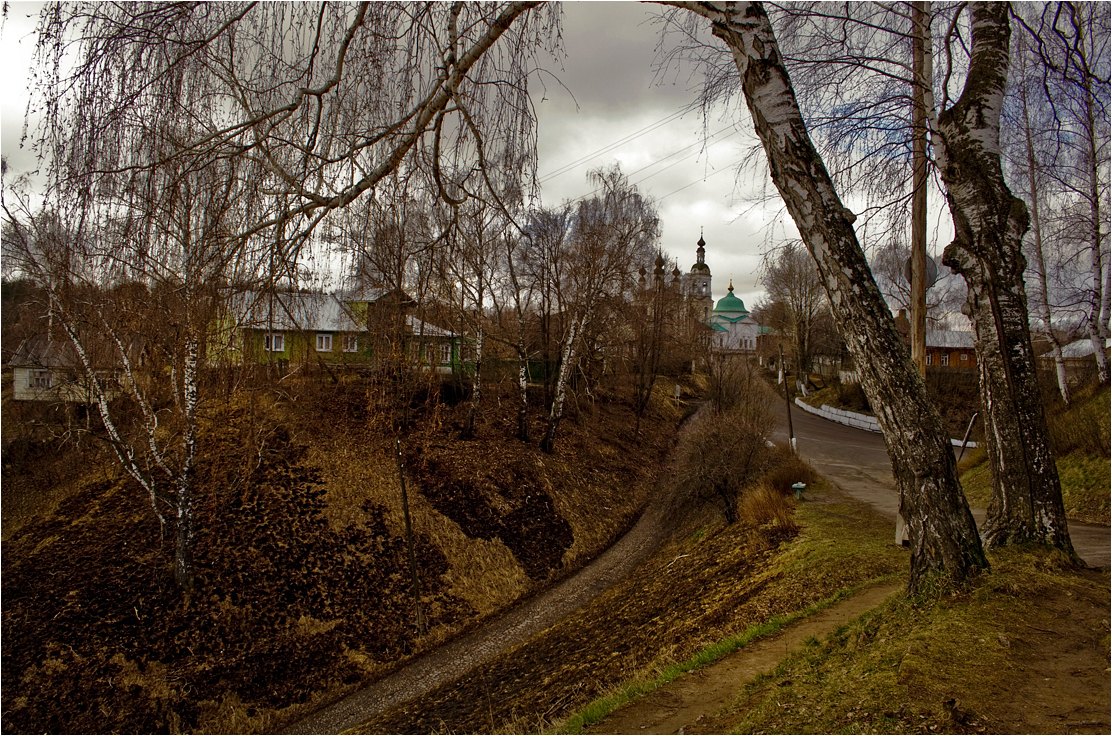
x=853 y=419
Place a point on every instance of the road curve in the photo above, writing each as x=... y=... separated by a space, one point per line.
x=455 y=659
x=858 y=462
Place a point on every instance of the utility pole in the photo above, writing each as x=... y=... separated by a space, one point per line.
x=920 y=22
x=415 y=580
x=787 y=401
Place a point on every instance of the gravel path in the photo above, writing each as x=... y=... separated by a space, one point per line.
x=455 y=659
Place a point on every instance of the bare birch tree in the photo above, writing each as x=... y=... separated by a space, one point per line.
x=943 y=535
x=308 y=106
x=1072 y=43
x=797 y=298
x=612 y=231
x=990 y=223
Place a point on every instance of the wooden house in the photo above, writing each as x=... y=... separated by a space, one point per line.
x=46 y=369
x=304 y=327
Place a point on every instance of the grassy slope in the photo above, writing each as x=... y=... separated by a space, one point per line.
x=723 y=587
x=1080 y=437
x=1025 y=649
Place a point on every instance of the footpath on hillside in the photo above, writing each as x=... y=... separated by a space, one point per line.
x=690 y=703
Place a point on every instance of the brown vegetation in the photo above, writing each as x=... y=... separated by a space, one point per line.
x=302 y=579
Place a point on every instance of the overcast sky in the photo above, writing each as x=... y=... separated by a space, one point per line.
x=621 y=112
x=691 y=170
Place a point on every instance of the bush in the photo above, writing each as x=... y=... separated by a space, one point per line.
x=723 y=449
x=786 y=468
x=765 y=506
x=852 y=397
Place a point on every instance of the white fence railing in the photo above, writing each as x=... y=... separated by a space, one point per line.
x=853 y=419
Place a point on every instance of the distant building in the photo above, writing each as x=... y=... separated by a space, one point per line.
x=697 y=284
x=310 y=327
x=945 y=348
x=734 y=329
x=727 y=325
x=45 y=369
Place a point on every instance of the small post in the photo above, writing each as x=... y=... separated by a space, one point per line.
x=415 y=579
x=787 y=402
x=799 y=488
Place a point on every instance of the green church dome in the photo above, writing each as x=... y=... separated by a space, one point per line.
x=730 y=304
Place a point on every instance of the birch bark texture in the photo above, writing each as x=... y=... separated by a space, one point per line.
x=942 y=532
x=989 y=225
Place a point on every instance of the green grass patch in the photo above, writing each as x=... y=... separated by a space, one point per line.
x=839 y=550
x=1085 y=486
x=604 y=706
x=974 y=661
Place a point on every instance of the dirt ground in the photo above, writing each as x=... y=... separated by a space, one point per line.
x=1054 y=678
x=296 y=600
x=689 y=704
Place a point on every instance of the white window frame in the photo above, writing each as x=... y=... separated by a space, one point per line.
x=40 y=378
x=351 y=343
x=274 y=342
x=445 y=353
x=964 y=357
x=928 y=358
x=944 y=360
x=324 y=342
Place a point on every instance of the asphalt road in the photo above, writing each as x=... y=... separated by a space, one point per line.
x=858 y=462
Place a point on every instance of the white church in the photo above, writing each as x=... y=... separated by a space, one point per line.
x=733 y=329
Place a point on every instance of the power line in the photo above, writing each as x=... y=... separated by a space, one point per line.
x=620 y=142
x=678 y=161
x=728 y=167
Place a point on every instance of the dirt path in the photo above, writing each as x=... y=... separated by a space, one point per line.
x=688 y=704
x=459 y=657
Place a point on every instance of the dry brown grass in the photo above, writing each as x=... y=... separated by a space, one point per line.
x=765 y=507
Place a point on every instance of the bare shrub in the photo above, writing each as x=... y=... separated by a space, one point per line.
x=766 y=507
x=724 y=450
x=785 y=469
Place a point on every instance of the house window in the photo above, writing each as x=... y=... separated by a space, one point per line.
x=324 y=342
x=275 y=342
x=945 y=359
x=928 y=358
x=445 y=354
x=40 y=379
x=964 y=357
x=351 y=343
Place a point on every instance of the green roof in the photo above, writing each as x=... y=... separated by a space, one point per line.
x=730 y=303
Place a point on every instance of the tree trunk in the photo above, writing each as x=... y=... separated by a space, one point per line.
x=942 y=532
x=1098 y=296
x=1040 y=260
x=183 y=548
x=476 y=387
x=523 y=391
x=548 y=444
x=989 y=224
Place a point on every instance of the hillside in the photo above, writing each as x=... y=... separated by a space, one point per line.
x=303 y=585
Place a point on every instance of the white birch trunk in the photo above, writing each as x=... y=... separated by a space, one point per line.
x=942 y=532
x=1098 y=296
x=183 y=552
x=989 y=224
x=523 y=390
x=124 y=452
x=567 y=357
x=1040 y=260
